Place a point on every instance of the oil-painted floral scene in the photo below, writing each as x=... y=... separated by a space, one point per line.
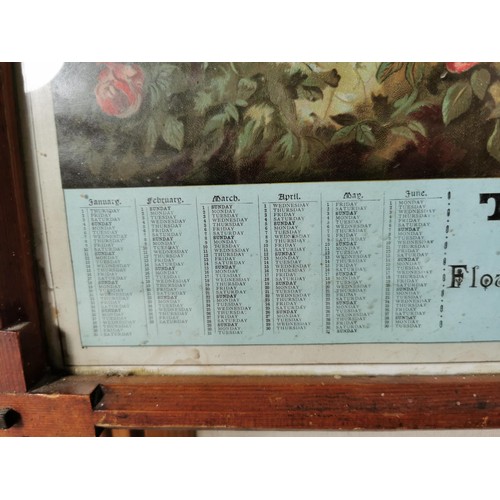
x=158 y=124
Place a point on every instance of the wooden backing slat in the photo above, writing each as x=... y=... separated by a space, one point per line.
x=449 y=402
x=72 y=405
x=18 y=289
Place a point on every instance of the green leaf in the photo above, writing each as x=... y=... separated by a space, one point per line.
x=173 y=132
x=331 y=78
x=241 y=103
x=304 y=159
x=247 y=139
x=261 y=113
x=480 y=81
x=457 y=101
x=232 y=112
x=246 y=88
x=344 y=119
x=170 y=79
x=344 y=134
x=310 y=93
x=312 y=80
x=386 y=69
x=286 y=147
x=300 y=67
x=290 y=154
x=151 y=138
x=258 y=135
x=494 y=113
x=297 y=77
x=207 y=147
x=202 y=101
x=246 y=134
x=405 y=132
x=417 y=105
x=417 y=127
x=364 y=135
x=219 y=86
x=414 y=73
x=405 y=103
x=215 y=122
x=493 y=145
x=155 y=94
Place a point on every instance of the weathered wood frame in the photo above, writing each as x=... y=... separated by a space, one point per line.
x=46 y=403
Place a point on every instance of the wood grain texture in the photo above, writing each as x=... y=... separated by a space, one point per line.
x=371 y=403
x=43 y=415
x=11 y=362
x=69 y=406
x=18 y=289
x=59 y=407
x=49 y=411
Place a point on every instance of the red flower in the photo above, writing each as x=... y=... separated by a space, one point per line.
x=119 y=89
x=459 y=67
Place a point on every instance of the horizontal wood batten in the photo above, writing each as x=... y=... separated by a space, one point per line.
x=76 y=405
x=270 y=402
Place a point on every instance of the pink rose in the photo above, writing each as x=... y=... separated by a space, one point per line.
x=459 y=67
x=119 y=89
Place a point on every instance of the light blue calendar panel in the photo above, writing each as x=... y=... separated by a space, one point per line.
x=287 y=264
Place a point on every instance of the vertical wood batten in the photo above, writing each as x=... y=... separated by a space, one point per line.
x=11 y=363
x=18 y=289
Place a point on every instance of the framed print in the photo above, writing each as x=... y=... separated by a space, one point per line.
x=353 y=290
x=297 y=217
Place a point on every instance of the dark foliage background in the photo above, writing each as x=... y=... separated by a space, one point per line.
x=218 y=123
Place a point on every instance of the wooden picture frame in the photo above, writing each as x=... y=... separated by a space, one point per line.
x=38 y=400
